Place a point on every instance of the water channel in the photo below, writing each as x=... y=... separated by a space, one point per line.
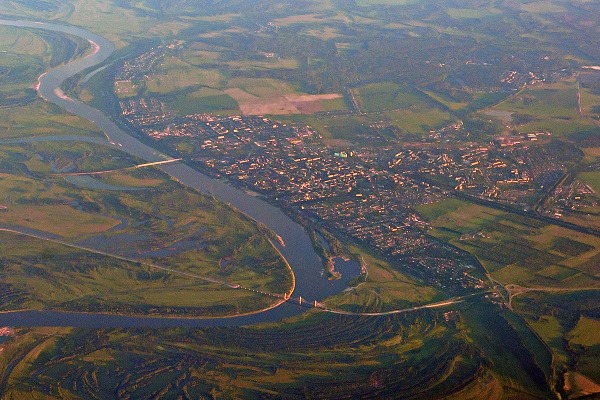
x=311 y=283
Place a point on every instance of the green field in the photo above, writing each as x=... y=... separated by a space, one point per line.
x=592 y=179
x=295 y=359
x=419 y=122
x=175 y=75
x=41 y=119
x=585 y=332
x=446 y=100
x=550 y=107
x=384 y=288
x=589 y=101
x=557 y=101
x=205 y=100
x=388 y=96
x=517 y=249
x=263 y=88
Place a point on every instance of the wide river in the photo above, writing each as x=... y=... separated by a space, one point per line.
x=311 y=283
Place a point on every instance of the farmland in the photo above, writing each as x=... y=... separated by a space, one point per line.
x=518 y=250
x=369 y=119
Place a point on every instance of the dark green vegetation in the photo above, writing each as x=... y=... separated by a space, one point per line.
x=516 y=249
x=392 y=70
x=569 y=324
x=316 y=356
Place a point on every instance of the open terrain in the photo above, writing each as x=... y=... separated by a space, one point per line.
x=369 y=86
x=133 y=216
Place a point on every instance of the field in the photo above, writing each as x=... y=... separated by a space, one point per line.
x=419 y=122
x=549 y=107
x=592 y=179
x=567 y=324
x=386 y=96
x=175 y=75
x=346 y=128
x=137 y=178
x=590 y=100
x=269 y=96
x=205 y=100
x=384 y=288
x=556 y=101
x=516 y=249
x=151 y=223
x=289 y=360
x=42 y=119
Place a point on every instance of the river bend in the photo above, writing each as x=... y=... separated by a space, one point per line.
x=311 y=283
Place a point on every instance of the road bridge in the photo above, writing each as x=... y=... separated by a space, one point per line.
x=108 y=171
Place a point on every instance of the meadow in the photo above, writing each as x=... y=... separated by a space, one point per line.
x=516 y=249
x=143 y=217
x=413 y=66
x=296 y=359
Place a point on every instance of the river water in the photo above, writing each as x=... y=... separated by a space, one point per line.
x=311 y=283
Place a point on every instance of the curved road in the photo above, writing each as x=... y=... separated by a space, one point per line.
x=280 y=299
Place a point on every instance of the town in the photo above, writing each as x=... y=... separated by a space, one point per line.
x=369 y=194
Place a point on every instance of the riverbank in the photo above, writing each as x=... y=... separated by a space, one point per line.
x=298 y=251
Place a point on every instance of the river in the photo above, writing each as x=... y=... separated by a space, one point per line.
x=311 y=283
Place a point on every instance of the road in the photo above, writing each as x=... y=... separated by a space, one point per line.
x=439 y=304
x=516 y=290
x=281 y=298
x=108 y=171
